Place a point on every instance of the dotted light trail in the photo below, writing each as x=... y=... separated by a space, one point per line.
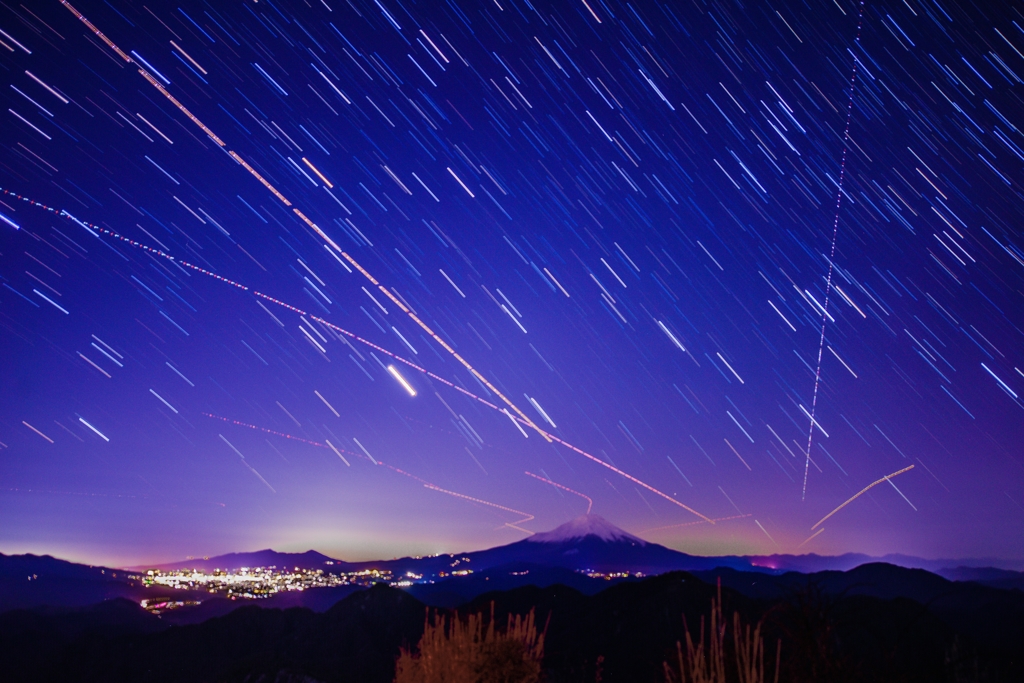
x=313 y=226
x=522 y=416
x=523 y=419
x=861 y=493
x=590 y=501
x=526 y=517
x=832 y=253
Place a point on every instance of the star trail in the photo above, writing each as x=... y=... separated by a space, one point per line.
x=385 y=277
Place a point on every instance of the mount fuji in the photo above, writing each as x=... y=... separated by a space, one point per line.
x=583 y=526
x=592 y=543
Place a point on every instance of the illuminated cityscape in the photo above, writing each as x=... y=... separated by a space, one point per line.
x=259 y=582
x=256 y=583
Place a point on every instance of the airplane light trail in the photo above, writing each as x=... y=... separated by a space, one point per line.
x=590 y=501
x=526 y=517
x=862 y=492
x=684 y=524
x=433 y=335
x=525 y=420
x=811 y=537
x=825 y=317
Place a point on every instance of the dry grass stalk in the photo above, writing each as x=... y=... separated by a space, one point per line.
x=468 y=651
x=704 y=662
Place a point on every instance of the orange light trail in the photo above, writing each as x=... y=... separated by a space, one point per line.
x=426 y=328
x=526 y=420
x=590 y=502
x=627 y=476
x=811 y=537
x=526 y=516
x=317 y=171
x=191 y=117
x=99 y=33
x=433 y=487
x=367 y=342
x=676 y=526
x=860 y=493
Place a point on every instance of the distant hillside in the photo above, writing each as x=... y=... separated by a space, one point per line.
x=818 y=563
x=260 y=558
x=32 y=580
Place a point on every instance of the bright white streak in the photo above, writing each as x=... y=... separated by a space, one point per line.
x=98 y=432
x=540 y=410
x=518 y=426
x=813 y=421
x=729 y=366
x=842 y=361
x=401 y=380
x=326 y=403
x=363 y=449
x=162 y=400
x=452 y=283
x=460 y=182
x=670 y=335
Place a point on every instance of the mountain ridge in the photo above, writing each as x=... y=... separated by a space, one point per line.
x=588 y=546
x=586 y=533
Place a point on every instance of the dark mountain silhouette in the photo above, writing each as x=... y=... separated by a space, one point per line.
x=996 y=578
x=586 y=543
x=590 y=543
x=260 y=558
x=982 y=611
x=33 y=580
x=633 y=625
x=356 y=640
x=818 y=563
x=316 y=599
x=460 y=590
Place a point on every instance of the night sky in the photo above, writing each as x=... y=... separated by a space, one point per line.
x=624 y=248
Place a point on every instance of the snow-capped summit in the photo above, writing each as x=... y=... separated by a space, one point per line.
x=583 y=526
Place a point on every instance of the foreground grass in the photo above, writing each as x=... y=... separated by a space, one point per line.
x=706 y=660
x=466 y=651
x=454 y=650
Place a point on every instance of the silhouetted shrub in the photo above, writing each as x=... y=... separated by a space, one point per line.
x=466 y=651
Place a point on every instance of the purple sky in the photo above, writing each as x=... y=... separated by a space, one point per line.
x=594 y=238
